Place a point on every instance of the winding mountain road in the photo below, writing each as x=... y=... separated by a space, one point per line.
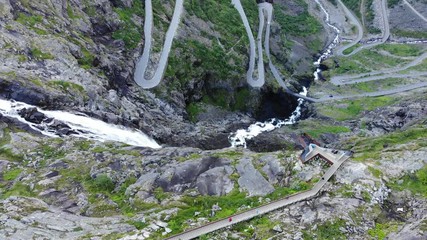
x=398 y=89
x=415 y=10
x=266 y=10
x=142 y=64
x=386 y=30
x=244 y=216
x=376 y=75
x=358 y=25
x=261 y=71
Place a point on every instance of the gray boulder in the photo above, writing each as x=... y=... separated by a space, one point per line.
x=183 y=176
x=143 y=186
x=215 y=181
x=273 y=169
x=252 y=180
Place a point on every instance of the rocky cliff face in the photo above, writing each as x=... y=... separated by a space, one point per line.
x=81 y=55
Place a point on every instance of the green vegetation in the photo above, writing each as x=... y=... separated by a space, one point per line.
x=31 y=21
x=193 y=110
x=5 y=151
x=218 y=97
x=138 y=224
x=231 y=154
x=18 y=189
x=402 y=50
x=70 y=11
x=160 y=195
x=371 y=147
x=345 y=191
x=415 y=182
x=103 y=183
x=11 y=174
x=213 y=64
x=301 y=25
x=50 y=151
x=225 y=18
x=38 y=55
x=8 y=154
x=382 y=230
x=392 y=3
x=86 y=62
x=420 y=67
x=37 y=82
x=83 y=145
x=365 y=61
x=327 y=231
x=351 y=49
x=212 y=60
x=376 y=172
x=130 y=32
x=321 y=129
x=67 y=86
x=189 y=157
x=353 y=5
x=364 y=87
x=11 y=74
x=350 y=109
x=242 y=97
x=229 y=204
x=409 y=33
x=259 y=226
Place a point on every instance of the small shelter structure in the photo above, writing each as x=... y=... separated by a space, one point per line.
x=314 y=152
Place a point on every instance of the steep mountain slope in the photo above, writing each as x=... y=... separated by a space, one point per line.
x=80 y=55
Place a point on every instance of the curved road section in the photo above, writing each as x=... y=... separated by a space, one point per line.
x=261 y=72
x=415 y=11
x=142 y=64
x=265 y=11
x=358 y=26
x=244 y=216
x=374 y=75
x=386 y=32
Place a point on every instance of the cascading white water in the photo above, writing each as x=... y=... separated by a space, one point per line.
x=83 y=126
x=328 y=51
x=240 y=136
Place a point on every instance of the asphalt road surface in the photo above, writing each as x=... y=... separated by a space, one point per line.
x=143 y=62
x=261 y=71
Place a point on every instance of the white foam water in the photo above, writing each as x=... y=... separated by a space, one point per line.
x=240 y=136
x=328 y=51
x=84 y=126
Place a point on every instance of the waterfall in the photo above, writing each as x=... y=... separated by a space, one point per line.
x=78 y=125
x=240 y=136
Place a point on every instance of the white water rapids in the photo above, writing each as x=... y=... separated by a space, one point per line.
x=86 y=127
x=240 y=136
x=328 y=51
